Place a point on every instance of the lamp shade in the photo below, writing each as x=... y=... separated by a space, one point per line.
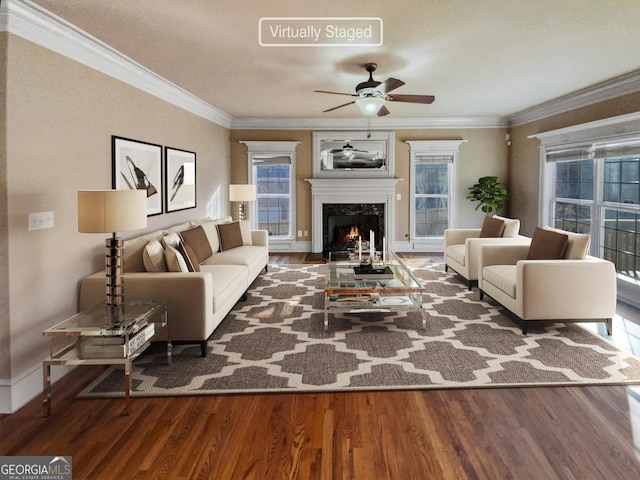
x=370 y=104
x=105 y=211
x=242 y=193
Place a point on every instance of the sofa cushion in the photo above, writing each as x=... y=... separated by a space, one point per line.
x=456 y=252
x=196 y=239
x=175 y=261
x=226 y=279
x=503 y=277
x=492 y=227
x=511 y=226
x=153 y=257
x=577 y=246
x=547 y=245
x=230 y=235
x=245 y=231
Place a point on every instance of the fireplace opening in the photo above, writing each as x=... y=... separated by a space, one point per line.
x=345 y=230
x=344 y=224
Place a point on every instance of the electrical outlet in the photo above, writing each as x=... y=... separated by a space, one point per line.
x=40 y=220
x=299 y=233
x=306 y=233
x=398 y=196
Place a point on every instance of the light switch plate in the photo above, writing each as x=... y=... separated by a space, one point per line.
x=40 y=220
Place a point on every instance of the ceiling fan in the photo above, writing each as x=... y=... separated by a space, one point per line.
x=372 y=95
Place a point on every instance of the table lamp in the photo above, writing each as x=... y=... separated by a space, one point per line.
x=112 y=211
x=242 y=194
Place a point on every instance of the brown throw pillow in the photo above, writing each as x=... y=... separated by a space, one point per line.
x=188 y=256
x=492 y=227
x=547 y=245
x=230 y=235
x=197 y=240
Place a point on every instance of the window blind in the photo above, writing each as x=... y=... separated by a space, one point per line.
x=434 y=158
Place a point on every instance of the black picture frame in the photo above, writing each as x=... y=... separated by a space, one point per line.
x=180 y=179
x=138 y=165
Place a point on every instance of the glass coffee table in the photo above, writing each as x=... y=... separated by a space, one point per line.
x=380 y=286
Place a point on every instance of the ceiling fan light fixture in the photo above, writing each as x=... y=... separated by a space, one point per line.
x=370 y=104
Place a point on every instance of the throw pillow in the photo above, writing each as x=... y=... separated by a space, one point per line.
x=196 y=239
x=547 y=245
x=171 y=239
x=230 y=235
x=153 y=257
x=577 y=246
x=492 y=227
x=189 y=257
x=511 y=226
x=175 y=262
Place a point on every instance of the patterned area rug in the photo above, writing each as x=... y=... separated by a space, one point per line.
x=275 y=341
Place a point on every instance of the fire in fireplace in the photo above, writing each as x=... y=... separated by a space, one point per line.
x=344 y=224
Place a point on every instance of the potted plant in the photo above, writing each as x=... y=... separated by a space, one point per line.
x=489 y=193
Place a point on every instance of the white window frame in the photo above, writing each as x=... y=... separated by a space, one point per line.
x=272 y=148
x=609 y=130
x=435 y=148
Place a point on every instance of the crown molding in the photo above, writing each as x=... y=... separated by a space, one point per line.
x=36 y=24
x=614 y=127
x=32 y=22
x=362 y=123
x=622 y=85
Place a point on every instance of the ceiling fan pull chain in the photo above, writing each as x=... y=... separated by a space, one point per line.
x=368 y=127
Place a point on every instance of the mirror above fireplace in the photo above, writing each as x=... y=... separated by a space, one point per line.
x=353 y=154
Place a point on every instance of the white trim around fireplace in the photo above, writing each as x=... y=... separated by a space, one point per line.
x=350 y=190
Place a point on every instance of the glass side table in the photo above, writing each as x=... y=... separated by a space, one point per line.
x=89 y=338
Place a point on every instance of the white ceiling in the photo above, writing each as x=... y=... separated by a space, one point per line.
x=478 y=57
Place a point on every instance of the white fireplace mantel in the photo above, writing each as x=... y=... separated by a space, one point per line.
x=349 y=190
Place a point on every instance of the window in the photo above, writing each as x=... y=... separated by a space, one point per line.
x=599 y=194
x=431 y=197
x=433 y=185
x=272 y=170
x=591 y=184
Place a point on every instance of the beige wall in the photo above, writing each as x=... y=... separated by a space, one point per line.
x=5 y=346
x=484 y=153
x=525 y=152
x=61 y=116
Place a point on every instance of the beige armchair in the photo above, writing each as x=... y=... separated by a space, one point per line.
x=565 y=290
x=462 y=248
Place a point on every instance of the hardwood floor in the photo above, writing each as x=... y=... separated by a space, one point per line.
x=519 y=433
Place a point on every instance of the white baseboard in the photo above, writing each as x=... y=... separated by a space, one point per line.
x=289 y=246
x=17 y=392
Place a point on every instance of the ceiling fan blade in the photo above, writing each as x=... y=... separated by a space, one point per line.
x=389 y=84
x=383 y=111
x=339 y=106
x=336 y=93
x=412 y=98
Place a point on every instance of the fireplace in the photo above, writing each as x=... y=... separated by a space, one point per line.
x=366 y=203
x=344 y=223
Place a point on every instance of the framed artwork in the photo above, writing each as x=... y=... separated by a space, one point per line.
x=180 y=177
x=138 y=165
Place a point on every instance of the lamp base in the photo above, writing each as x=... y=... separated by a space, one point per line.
x=242 y=211
x=114 y=263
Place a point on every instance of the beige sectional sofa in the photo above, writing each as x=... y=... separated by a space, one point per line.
x=204 y=274
x=574 y=287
